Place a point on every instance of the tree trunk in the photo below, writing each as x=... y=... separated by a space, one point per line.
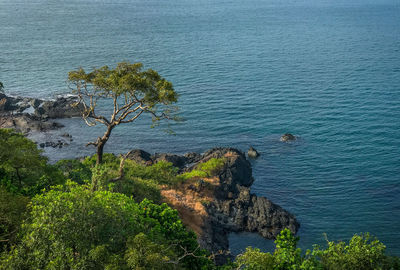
x=100 y=147
x=100 y=144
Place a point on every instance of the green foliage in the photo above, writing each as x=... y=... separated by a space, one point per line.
x=139 y=189
x=163 y=173
x=207 y=169
x=212 y=166
x=287 y=255
x=194 y=174
x=75 y=170
x=362 y=252
x=142 y=253
x=22 y=166
x=126 y=80
x=12 y=212
x=72 y=227
x=139 y=181
x=254 y=259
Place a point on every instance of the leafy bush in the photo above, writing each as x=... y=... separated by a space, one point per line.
x=12 y=212
x=24 y=169
x=254 y=259
x=75 y=170
x=162 y=172
x=71 y=227
x=139 y=189
x=362 y=252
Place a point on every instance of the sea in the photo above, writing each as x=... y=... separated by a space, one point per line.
x=327 y=71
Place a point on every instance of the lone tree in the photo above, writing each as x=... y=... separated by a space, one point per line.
x=132 y=92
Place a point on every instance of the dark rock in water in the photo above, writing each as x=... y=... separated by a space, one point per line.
x=140 y=156
x=177 y=161
x=252 y=153
x=67 y=136
x=287 y=137
x=58 y=144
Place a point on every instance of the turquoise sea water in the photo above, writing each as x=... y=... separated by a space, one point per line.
x=247 y=71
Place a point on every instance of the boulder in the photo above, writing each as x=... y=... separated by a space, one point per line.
x=177 y=161
x=252 y=153
x=287 y=137
x=140 y=156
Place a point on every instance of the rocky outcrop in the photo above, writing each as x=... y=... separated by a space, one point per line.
x=214 y=207
x=140 y=156
x=177 y=161
x=25 y=123
x=31 y=114
x=62 y=107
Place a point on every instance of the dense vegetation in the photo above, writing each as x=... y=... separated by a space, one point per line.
x=74 y=215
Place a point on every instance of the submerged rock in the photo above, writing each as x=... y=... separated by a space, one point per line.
x=252 y=153
x=287 y=137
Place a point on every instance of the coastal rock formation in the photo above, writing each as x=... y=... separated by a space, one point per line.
x=214 y=207
x=287 y=137
x=25 y=123
x=62 y=107
x=31 y=114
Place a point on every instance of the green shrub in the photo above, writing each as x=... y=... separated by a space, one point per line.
x=12 y=212
x=24 y=169
x=139 y=189
x=362 y=252
x=72 y=227
x=254 y=259
x=162 y=172
x=75 y=170
x=194 y=174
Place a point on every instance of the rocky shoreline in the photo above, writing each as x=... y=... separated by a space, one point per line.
x=215 y=207
x=31 y=114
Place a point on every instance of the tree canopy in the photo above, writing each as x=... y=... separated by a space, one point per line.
x=132 y=91
x=71 y=227
x=22 y=165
